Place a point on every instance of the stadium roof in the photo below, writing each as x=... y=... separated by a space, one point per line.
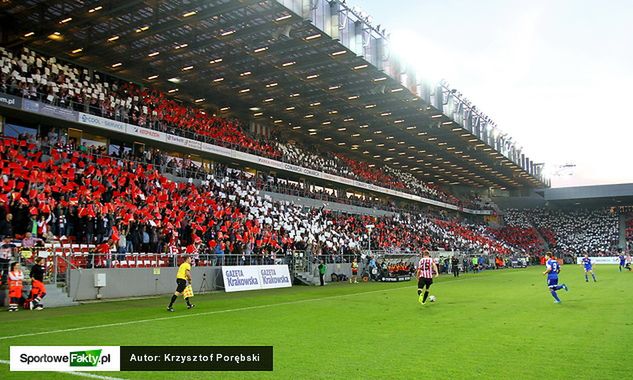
x=609 y=195
x=260 y=61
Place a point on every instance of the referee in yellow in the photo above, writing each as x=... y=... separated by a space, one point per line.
x=182 y=278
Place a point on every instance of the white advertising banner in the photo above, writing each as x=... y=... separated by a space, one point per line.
x=102 y=122
x=65 y=358
x=275 y=276
x=254 y=277
x=601 y=260
x=147 y=133
x=193 y=144
x=173 y=139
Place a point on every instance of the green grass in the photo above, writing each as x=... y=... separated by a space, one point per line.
x=497 y=324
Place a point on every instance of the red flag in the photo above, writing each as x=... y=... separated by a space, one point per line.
x=46 y=209
x=91 y=211
x=115 y=234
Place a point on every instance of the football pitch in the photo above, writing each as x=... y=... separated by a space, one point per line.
x=493 y=325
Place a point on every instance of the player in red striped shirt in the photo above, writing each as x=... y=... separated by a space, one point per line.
x=426 y=268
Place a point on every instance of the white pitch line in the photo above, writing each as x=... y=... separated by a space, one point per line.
x=192 y=315
x=80 y=374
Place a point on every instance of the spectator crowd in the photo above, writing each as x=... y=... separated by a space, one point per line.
x=32 y=76
x=567 y=231
x=58 y=189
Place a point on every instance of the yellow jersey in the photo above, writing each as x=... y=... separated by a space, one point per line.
x=182 y=270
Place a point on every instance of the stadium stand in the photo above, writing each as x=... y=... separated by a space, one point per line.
x=570 y=231
x=322 y=161
x=36 y=77
x=524 y=238
x=629 y=229
x=42 y=78
x=81 y=192
x=71 y=191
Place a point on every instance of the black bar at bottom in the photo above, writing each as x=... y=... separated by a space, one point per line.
x=196 y=358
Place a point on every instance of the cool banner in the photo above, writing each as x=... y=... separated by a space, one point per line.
x=141 y=358
x=255 y=277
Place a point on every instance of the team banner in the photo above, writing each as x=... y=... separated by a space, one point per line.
x=600 y=260
x=141 y=358
x=254 y=277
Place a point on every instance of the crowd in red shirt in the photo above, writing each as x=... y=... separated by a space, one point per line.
x=97 y=199
x=475 y=235
x=524 y=238
x=371 y=174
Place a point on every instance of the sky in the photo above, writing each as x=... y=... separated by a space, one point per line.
x=554 y=74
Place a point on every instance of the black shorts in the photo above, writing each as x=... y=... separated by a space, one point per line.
x=423 y=281
x=181 y=285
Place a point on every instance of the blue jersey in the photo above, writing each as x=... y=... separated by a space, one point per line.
x=586 y=262
x=621 y=259
x=554 y=267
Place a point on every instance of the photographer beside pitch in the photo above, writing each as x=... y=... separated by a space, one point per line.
x=183 y=277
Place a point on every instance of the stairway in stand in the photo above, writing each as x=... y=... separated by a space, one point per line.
x=56 y=296
x=544 y=242
x=307 y=278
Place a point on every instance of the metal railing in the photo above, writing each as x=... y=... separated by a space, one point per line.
x=91 y=260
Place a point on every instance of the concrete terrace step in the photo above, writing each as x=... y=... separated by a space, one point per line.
x=307 y=278
x=56 y=297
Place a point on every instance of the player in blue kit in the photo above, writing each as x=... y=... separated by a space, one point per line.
x=622 y=261
x=552 y=270
x=586 y=262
